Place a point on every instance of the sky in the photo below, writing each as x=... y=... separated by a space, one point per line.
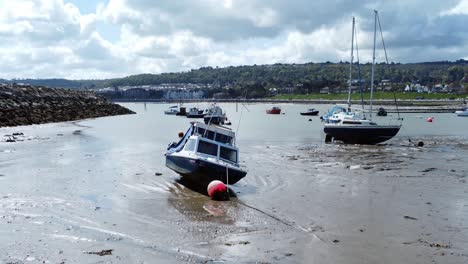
x=86 y=39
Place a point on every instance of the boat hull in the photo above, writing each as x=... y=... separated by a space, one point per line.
x=312 y=113
x=203 y=172
x=273 y=111
x=366 y=135
x=214 y=119
x=195 y=115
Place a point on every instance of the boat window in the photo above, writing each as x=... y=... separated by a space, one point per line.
x=190 y=145
x=209 y=135
x=207 y=148
x=200 y=130
x=228 y=154
x=206 y=133
x=223 y=138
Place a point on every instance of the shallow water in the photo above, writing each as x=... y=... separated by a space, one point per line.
x=70 y=189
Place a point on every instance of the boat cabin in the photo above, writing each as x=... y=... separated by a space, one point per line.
x=212 y=141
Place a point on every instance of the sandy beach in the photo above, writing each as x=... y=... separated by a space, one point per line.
x=97 y=191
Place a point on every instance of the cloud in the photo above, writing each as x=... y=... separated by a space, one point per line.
x=54 y=38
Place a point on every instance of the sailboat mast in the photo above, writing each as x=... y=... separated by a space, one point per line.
x=373 y=65
x=351 y=67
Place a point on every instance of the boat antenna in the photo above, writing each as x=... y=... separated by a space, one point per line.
x=351 y=67
x=373 y=65
x=386 y=59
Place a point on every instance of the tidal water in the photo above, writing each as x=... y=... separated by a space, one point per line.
x=71 y=190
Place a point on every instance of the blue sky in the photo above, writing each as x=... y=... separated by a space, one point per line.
x=82 y=39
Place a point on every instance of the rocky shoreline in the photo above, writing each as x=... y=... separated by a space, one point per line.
x=26 y=105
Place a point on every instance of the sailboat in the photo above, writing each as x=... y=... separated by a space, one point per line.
x=352 y=127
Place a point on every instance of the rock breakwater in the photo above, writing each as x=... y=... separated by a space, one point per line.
x=27 y=105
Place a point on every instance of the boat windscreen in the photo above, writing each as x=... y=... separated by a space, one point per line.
x=190 y=145
x=223 y=138
x=228 y=154
x=209 y=134
x=207 y=148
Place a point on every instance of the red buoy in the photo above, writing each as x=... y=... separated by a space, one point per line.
x=217 y=190
x=430 y=119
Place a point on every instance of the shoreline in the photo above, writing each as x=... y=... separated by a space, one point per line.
x=404 y=106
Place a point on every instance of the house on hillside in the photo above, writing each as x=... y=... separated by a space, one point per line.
x=325 y=90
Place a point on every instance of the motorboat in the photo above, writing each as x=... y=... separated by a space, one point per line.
x=463 y=112
x=182 y=111
x=310 y=112
x=172 y=110
x=382 y=112
x=206 y=153
x=194 y=112
x=275 y=110
x=351 y=126
x=214 y=115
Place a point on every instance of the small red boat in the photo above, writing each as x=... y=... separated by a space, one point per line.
x=274 y=110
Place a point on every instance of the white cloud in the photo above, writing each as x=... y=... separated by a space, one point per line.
x=460 y=9
x=52 y=38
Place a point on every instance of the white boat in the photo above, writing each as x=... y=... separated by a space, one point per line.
x=351 y=127
x=214 y=115
x=206 y=153
x=194 y=112
x=463 y=112
x=172 y=110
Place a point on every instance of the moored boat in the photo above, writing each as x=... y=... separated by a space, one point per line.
x=463 y=112
x=182 y=111
x=206 y=153
x=352 y=127
x=310 y=112
x=172 y=110
x=214 y=115
x=275 y=110
x=382 y=112
x=194 y=112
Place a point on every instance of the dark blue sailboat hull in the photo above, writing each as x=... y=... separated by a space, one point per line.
x=201 y=171
x=367 y=135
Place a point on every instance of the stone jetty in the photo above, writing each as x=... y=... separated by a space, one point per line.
x=26 y=105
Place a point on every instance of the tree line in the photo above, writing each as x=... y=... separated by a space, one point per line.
x=258 y=80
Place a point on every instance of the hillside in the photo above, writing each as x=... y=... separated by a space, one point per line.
x=307 y=78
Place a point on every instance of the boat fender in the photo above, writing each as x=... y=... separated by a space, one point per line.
x=430 y=119
x=181 y=134
x=218 y=191
x=310 y=120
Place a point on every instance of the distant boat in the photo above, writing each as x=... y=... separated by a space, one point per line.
x=310 y=112
x=206 y=153
x=182 y=111
x=172 y=110
x=194 y=112
x=463 y=112
x=382 y=112
x=214 y=115
x=275 y=110
x=352 y=127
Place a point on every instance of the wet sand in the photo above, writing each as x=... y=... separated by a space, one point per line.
x=71 y=190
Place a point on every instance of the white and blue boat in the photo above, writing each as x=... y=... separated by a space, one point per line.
x=206 y=153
